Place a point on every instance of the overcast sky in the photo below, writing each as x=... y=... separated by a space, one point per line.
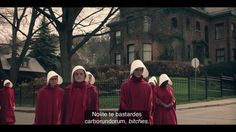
x=6 y=29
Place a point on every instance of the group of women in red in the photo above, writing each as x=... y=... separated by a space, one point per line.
x=75 y=103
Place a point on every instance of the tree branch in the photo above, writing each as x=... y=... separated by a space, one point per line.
x=22 y=15
x=83 y=35
x=28 y=39
x=87 y=17
x=86 y=38
x=50 y=17
x=13 y=25
x=50 y=22
x=76 y=12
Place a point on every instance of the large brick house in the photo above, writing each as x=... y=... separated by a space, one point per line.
x=153 y=34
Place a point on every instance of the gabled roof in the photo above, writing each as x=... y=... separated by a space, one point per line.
x=114 y=19
x=206 y=12
x=222 y=12
x=34 y=65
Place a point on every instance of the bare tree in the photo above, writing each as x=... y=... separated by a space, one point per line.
x=65 y=27
x=15 y=21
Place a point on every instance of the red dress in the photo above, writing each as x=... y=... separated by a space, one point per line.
x=163 y=115
x=48 y=106
x=7 y=102
x=80 y=99
x=154 y=106
x=136 y=96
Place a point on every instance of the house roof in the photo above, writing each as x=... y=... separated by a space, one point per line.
x=115 y=19
x=207 y=12
x=222 y=12
x=34 y=65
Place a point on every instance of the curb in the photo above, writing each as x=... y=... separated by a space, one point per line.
x=204 y=106
x=115 y=109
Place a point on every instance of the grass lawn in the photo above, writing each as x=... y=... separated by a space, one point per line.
x=184 y=93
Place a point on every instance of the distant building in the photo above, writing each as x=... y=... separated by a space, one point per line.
x=153 y=34
x=29 y=69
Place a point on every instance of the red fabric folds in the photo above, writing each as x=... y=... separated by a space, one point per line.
x=162 y=115
x=80 y=100
x=7 y=102
x=48 y=106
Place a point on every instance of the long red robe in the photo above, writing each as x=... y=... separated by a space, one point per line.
x=80 y=99
x=153 y=101
x=7 y=102
x=48 y=106
x=136 y=96
x=165 y=116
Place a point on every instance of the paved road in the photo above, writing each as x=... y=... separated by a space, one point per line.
x=24 y=118
x=223 y=114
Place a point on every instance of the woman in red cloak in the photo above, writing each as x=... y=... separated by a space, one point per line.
x=90 y=78
x=136 y=95
x=80 y=99
x=49 y=101
x=7 y=104
x=166 y=103
x=153 y=83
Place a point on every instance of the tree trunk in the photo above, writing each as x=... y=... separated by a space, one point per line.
x=13 y=69
x=65 y=41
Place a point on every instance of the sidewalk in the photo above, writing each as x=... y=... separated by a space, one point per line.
x=207 y=104
x=179 y=107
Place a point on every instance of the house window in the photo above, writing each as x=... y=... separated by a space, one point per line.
x=220 y=55
x=188 y=51
x=146 y=24
x=198 y=26
x=219 y=31
x=174 y=22
x=117 y=59
x=206 y=34
x=25 y=64
x=233 y=30
x=234 y=54
x=147 y=52
x=130 y=25
x=118 y=37
x=130 y=53
x=188 y=23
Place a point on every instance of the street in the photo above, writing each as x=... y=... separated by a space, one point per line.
x=213 y=115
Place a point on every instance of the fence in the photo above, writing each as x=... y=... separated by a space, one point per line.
x=185 y=88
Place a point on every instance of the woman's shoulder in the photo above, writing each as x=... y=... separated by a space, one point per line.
x=60 y=89
x=91 y=87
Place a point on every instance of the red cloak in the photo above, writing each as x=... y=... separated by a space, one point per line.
x=166 y=116
x=48 y=106
x=136 y=96
x=153 y=101
x=7 y=102
x=80 y=99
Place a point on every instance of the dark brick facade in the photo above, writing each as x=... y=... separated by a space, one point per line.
x=175 y=34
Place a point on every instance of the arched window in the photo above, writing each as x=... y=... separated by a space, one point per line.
x=130 y=25
x=117 y=59
x=130 y=53
x=146 y=24
x=118 y=37
x=174 y=22
x=147 y=52
x=198 y=26
x=188 y=22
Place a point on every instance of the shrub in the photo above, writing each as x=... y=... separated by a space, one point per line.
x=224 y=68
x=171 y=68
x=27 y=89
